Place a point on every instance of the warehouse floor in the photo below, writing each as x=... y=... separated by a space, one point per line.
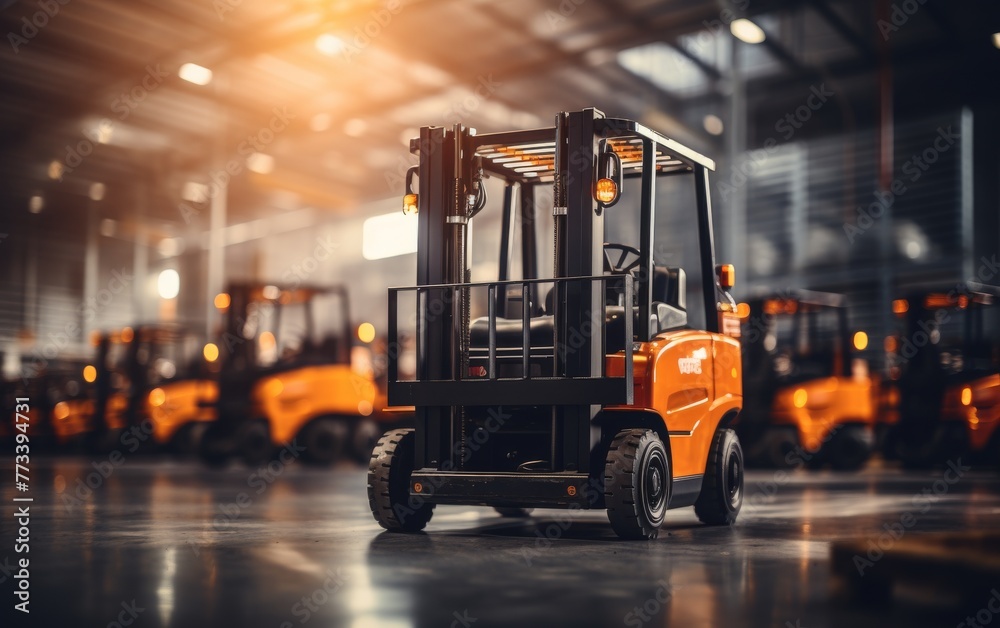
x=176 y=545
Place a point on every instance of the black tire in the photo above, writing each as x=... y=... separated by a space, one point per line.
x=323 y=440
x=514 y=513
x=851 y=448
x=364 y=437
x=780 y=442
x=215 y=447
x=255 y=443
x=637 y=483
x=186 y=441
x=389 y=474
x=721 y=494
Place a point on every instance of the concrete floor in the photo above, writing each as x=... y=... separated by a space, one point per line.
x=191 y=547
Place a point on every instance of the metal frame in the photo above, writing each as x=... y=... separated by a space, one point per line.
x=565 y=156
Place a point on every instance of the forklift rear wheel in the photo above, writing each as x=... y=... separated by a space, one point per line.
x=324 y=440
x=389 y=484
x=636 y=483
x=722 y=487
x=255 y=443
x=363 y=439
x=187 y=440
x=214 y=448
x=851 y=449
x=514 y=513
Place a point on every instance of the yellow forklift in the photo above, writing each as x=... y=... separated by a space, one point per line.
x=140 y=377
x=283 y=379
x=807 y=398
x=59 y=410
x=600 y=387
x=948 y=356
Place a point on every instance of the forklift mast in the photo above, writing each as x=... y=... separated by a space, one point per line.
x=582 y=146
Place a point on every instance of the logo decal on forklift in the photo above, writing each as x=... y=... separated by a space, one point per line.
x=692 y=365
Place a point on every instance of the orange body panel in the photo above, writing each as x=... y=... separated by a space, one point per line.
x=828 y=402
x=691 y=379
x=291 y=399
x=982 y=415
x=114 y=414
x=72 y=418
x=184 y=402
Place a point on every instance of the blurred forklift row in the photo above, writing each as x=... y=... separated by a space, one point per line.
x=273 y=375
x=270 y=375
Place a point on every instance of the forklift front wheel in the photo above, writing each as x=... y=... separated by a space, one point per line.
x=637 y=483
x=722 y=487
x=324 y=439
x=389 y=484
x=255 y=443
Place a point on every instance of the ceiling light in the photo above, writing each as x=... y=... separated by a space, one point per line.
x=97 y=191
x=56 y=170
x=330 y=45
x=108 y=227
x=194 y=192
x=713 y=124
x=746 y=31
x=261 y=163
x=194 y=73
x=355 y=127
x=35 y=204
x=996 y=39
x=168 y=284
x=320 y=122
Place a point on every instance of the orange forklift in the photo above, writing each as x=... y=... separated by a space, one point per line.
x=596 y=388
x=807 y=399
x=282 y=379
x=127 y=385
x=948 y=359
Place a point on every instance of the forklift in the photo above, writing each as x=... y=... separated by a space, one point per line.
x=587 y=389
x=178 y=388
x=948 y=358
x=280 y=379
x=807 y=399
x=133 y=371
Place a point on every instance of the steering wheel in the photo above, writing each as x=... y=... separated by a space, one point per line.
x=620 y=267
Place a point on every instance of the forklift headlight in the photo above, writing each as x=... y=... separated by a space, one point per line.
x=410 y=204
x=410 y=198
x=860 y=340
x=606 y=191
x=727 y=275
x=157 y=397
x=800 y=398
x=211 y=352
x=966 y=396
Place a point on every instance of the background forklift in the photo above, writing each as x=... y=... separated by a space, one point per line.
x=132 y=369
x=282 y=379
x=805 y=398
x=949 y=381
x=597 y=395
